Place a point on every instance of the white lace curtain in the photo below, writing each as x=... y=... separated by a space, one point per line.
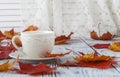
x=78 y=16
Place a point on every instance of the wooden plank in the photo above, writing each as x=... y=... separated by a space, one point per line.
x=117 y=66
x=86 y=72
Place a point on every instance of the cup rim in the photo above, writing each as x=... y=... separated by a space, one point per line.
x=37 y=32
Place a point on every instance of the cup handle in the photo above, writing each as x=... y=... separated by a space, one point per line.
x=13 y=41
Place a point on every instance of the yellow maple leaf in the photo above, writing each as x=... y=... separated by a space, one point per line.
x=92 y=57
x=10 y=34
x=115 y=46
x=8 y=65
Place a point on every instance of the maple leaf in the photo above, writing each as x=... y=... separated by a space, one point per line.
x=92 y=60
x=97 y=64
x=8 y=65
x=99 y=46
x=92 y=57
x=41 y=68
x=105 y=36
x=115 y=46
x=31 y=28
x=91 y=64
x=94 y=35
x=56 y=55
x=62 y=39
x=4 y=66
x=10 y=34
x=5 y=51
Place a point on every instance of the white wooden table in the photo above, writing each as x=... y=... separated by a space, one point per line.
x=77 y=45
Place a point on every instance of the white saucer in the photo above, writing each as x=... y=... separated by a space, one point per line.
x=22 y=56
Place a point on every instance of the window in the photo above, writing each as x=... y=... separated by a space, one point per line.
x=11 y=14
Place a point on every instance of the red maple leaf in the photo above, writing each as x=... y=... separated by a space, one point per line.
x=92 y=60
x=97 y=64
x=5 y=51
x=1 y=36
x=105 y=36
x=62 y=39
x=31 y=28
x=41 y=68
x=100 y=46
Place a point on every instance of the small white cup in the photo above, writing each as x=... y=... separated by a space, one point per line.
x=35 y=44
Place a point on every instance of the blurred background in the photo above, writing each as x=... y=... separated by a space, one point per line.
x=62 y=16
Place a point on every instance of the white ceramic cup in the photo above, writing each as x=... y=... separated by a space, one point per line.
x=35 y=44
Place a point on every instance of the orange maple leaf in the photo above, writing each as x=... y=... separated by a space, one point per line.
x=105 y=36
x=31 y=28
x=6 y=66
x=10 y=34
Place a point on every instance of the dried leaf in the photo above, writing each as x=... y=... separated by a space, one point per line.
x=41 y=68
x=6 y=66
x=97 y=64
x=115 y=46
x=56 y=55
x=105 y=36
x=62 y=39
x=100 y=46
x=5 y=51
x=92 y=60
x=94 y=35
x=2 y=38
x=31 y=28
x=92 y=57
x=91 y=64
x=10 y=34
